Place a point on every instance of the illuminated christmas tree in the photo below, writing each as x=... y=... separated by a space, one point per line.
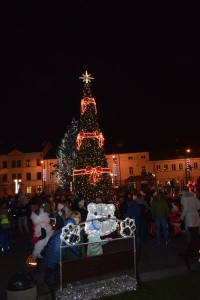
x=92 y=177
x=66 y=158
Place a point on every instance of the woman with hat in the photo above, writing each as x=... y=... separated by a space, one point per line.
x=78 y=204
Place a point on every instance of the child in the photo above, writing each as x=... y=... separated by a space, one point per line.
x=95 y=245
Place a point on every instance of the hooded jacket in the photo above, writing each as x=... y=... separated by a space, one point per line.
x=160 y=207
x=191 y=206
x=52 y=253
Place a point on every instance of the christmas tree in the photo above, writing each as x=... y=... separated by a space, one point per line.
x=66 y=158
x=92 y=177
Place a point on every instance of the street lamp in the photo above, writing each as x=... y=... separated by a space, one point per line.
x=188 y=166
x=43 y=174
x=119 y=164
x=115 y=169
x=17 y=185
x=111 y=174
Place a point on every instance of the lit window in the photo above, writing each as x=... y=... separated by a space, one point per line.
x=158 y=168
x=28 y=189
x=165 y=168
x=28 y=163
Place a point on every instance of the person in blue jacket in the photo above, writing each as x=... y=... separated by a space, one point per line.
x=52 y=252
x=133 y=211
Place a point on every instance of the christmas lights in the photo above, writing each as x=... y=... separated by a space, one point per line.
x=86 y=135
x=94 y=173
x=85 y=102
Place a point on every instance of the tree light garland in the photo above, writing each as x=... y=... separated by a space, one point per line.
x=85 y=102
x=94 y=173
x=86 y=135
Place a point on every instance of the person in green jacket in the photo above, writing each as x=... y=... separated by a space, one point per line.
x=160 y=213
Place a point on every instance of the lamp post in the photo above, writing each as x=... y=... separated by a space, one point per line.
x=119 y=170
x=43 y=175
x=115 y=169
x=111 y=174
x=188 y=166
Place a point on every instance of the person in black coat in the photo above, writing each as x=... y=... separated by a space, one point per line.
x=78 y=204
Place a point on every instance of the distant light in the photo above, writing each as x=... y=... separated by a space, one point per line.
x=17 y=186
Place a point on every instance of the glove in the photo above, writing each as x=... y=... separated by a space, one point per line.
x=35 y=240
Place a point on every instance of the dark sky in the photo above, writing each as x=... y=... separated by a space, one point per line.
x=145 y=61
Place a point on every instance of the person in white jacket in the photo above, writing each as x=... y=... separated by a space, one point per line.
x=190 y=212
x=41 y=232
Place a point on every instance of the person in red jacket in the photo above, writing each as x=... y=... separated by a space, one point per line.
x=175 y=218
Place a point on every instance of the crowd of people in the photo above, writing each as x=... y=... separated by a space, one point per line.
x=157 y=213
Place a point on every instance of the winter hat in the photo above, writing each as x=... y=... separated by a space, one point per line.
x=75 y=203
x=60 y=205
x=81 y=202
x=98 y=200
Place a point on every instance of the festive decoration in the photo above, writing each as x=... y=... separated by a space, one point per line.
x=127 y=227
x=98 y=289
x=91 y=175
x=94 y=173
x=88 y=135
x=66 y=156
x=85 y=102
x=100 y=222
x=86 y=77
x=100 y=219
x=70 y=234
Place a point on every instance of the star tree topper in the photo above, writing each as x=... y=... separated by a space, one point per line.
x=86 y=77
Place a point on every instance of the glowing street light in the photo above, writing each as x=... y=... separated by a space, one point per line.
x=43 y=174
x=17 y=185
x=115 y=169
x=111 y=174
x=188 y=166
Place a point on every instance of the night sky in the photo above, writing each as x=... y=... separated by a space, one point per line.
x=145 y=62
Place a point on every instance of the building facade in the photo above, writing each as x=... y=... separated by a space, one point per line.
x=29 y=171
x=33 y=172
x=178 y=171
